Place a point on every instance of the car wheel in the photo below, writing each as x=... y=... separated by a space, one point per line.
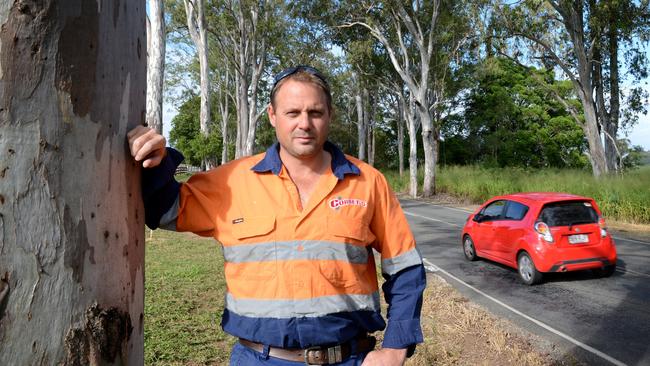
x=469 y=249
x=527 y=270
x=605 y=271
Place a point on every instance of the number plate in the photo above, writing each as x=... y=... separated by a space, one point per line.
x=577 y=239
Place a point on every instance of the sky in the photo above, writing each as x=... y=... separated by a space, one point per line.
x=641 y=133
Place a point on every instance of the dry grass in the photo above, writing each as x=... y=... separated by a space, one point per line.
x=458 y=332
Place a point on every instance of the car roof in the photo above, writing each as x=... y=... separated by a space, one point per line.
x=541 y=197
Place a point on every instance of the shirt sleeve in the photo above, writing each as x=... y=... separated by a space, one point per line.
x=402 y=269
x=159 y=188
x=178 y=206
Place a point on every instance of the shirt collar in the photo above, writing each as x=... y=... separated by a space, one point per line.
x=340 y=164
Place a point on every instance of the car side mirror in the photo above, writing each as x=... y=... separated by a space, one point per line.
x=478 y=218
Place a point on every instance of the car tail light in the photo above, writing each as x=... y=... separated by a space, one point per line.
x=603 y=227
x=544 y=231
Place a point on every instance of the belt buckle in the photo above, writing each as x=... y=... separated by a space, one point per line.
x=334 y=354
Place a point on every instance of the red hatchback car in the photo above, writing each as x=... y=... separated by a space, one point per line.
x=541 y=232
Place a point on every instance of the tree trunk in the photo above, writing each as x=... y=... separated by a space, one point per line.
x=590 y=128
x=572 y=16
x=400 y=138
x=413 y=147
x=72 y=83
x=224 y=99
x=428 y=186
x=361 y=127
x=155 y=65
x=368 y=123
x=611 y=128
x=195 y=12
x=242 y=96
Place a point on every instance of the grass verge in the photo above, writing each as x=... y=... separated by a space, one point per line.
x=621 y=197
x=184 y=300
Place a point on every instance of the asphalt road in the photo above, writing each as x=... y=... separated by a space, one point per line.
x=598 y=321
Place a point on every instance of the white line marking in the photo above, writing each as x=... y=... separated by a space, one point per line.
x=625 y=270
x=434 y=204
x=430 y=219
x=541 y=324
x=632 y=240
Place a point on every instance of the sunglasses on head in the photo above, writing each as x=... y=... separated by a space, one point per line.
x=292 y=70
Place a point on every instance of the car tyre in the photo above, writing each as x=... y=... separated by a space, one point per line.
x=527 y=270
x=605 y=271
x=469 y=249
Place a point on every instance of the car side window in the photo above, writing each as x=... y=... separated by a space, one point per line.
x=515 y=211
x=493 y=211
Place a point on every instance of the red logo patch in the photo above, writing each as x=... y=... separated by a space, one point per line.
x=336 y=203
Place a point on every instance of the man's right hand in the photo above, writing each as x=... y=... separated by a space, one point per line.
x=147 y=145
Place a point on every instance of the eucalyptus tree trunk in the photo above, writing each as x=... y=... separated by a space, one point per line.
x=195 y=12
x=572 y=16
x=224 y=108
x=415 y=75
x=412 y=128
x=368 y=123
x=400 y=138
x=155 y=64
x=250 y=52
x=361 y=125
x=612 y=154
x=72 y=83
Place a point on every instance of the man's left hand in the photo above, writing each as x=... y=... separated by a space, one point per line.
x=385 y=357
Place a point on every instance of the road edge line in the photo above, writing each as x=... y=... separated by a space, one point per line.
x=433 y=268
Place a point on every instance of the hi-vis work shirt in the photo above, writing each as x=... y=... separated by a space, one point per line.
x=299 y=276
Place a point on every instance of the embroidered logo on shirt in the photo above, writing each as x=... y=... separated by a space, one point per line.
x=336 y=203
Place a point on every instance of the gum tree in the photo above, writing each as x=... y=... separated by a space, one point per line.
x=72 y=83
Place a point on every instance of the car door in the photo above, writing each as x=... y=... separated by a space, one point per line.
x=485 y=227
x=508 y=230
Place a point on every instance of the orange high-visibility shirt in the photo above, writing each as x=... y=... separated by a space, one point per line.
x=284 y=261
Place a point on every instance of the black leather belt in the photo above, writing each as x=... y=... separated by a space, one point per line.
x=324 y=355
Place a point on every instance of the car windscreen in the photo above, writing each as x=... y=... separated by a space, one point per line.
x=568 y=213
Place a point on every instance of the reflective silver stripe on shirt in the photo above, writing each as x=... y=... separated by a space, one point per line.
x=296 y=250
x=168 y=220
x=393 y=265
x=318 y=306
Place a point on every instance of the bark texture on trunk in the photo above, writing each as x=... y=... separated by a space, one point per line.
x=400 y=138
x=611 y=128
x=155 y=64
x=361 y=128
x=72 y=83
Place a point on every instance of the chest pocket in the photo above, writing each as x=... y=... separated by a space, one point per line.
x=252 y=253
x=253 y=229
x=353 y=236
x=349 y=229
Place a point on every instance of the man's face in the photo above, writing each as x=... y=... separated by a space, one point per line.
x=301 y=118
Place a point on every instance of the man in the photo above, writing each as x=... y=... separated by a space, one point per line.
x=297 y=225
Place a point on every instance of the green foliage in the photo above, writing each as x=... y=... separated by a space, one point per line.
x=186 y=136
x=621 y=197
x=511 y=120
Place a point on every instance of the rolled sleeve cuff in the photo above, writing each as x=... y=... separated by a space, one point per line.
x=159 y=189
x=402 y=333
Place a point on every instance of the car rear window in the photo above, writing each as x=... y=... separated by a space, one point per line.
x=516 y=211
x=568 y=213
